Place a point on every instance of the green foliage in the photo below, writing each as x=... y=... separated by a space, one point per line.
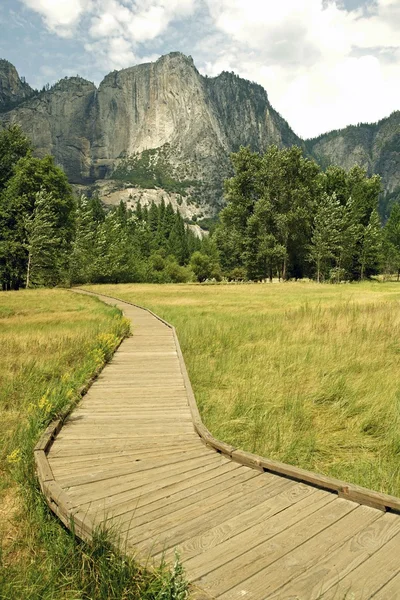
x=47 y=239
x=13 y=146
x=150 y=170
x=391 y=242
x=286 y=218
x=326 y=233
x=124 y=245
x=204 y=267
x=268 y=218
x=23 y=224
x=47 y=253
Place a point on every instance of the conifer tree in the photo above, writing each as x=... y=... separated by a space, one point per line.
x=46 y=263
x=325 y=236
x=371 y=249
x=392 y=240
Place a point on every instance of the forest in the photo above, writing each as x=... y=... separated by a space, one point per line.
x=284 y=217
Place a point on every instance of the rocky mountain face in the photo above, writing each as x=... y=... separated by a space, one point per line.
x=375 y=147
x=164 y=126
x=160 y=124
x=13 y=90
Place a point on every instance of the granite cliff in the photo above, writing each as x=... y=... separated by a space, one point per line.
x=159 y=124
x=163 y=126
x=13 y=89
x=375 y=147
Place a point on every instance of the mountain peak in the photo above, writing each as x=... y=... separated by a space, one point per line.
x=13 y=89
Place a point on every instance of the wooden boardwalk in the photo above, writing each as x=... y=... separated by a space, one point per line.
x=131 y=456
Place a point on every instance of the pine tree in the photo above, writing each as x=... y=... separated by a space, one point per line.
x=85 y=243
x=325 y=237
x=370 y=255
x=392 y=240
x=46 y=255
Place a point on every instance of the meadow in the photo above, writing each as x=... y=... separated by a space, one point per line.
x=53 y=342
x=299 y=372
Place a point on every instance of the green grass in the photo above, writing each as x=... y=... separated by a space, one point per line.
x=53 y=342
x=300 y=372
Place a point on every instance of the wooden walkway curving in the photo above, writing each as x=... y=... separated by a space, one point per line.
x=131 y=456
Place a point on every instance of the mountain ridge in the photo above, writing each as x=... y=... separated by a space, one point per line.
x=164 y=125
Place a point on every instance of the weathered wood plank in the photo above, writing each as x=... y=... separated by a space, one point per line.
x=293 y=551
x=390 y=587
x=364 y=559
x=226 y=542
x=90 y=492
x=128 y=467
x=154 y=491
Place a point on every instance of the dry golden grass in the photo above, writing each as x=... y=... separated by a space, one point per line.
x=304 y=373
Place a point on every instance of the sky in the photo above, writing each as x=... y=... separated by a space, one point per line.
x=325 y=64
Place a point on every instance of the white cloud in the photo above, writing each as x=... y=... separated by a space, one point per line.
x=323 y=66
x=118 y=26
x=60 y=16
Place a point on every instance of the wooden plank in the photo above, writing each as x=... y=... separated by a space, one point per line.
x=160 y=490
x=137 y=468
x=80 y=459
x=292 y=552
x=91 y=492
x=181 y=511
x=391 y=587
x=48 y=435
x=225 y=477
x=43 y=468
x=95 y=465
x=320 y=579
x=84 y=449
x=151 y=518
x=222 y=544
x=127 y=467
x=196 y=523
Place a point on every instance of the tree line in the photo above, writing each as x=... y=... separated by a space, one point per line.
x=284 y=217
x=48 y=237
x=287 y=218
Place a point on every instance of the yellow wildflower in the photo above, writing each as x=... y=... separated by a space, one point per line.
x=15 y=457
x=44 y=404
x=65 y=377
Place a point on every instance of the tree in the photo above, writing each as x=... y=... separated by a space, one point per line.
x=18 y=200
x=46 y=253
x=84 y=247
x=13 y=146
x=325 y=237
x=201 y=266
x=391 y=240
x=371 y=248
x=271 y=201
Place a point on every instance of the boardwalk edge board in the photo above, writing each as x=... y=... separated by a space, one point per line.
x=82 y=525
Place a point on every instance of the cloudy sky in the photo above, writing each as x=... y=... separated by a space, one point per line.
x=325 y=64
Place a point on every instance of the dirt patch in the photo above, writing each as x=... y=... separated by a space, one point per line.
x=10 y=532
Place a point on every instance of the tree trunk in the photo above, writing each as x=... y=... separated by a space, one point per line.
x=284 y=269
x=318 y=271
x=28 y=272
